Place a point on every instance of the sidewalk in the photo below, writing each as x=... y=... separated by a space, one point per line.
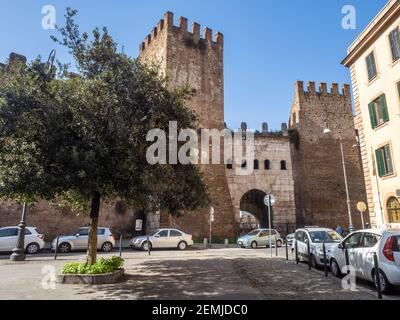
x=126 y=245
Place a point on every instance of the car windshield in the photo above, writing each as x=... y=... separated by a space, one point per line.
x=325 y=236
x=254 y=233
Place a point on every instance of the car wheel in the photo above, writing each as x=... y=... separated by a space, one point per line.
x=182 y=245
x=32 y=248
x=107 y=247
x=254 y=245
x=386 y=286
x=146 y=246
x=335 y=268
x=64 y=247
x=279 y=243
x=314 y=263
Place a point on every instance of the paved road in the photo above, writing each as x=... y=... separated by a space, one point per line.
x=194 y=274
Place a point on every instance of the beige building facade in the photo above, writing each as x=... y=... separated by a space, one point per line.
x=374 y=63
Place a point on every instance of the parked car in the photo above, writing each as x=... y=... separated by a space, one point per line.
x=289 y=239
x=315 y=236
x=260 y=238
x=361 y=246
x=163 y=238
x=34 y=241
x=78 y=240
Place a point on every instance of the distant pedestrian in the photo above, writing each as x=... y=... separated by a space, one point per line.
x=367 y=226
x=339 y=230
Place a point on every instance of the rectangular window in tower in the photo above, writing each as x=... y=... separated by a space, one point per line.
x=378 y=111
x=394 y=38
x=371 y=66
x=384 y=161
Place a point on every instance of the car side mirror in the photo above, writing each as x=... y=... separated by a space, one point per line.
x=77 y=235
x=157 y=236
x=341 y=246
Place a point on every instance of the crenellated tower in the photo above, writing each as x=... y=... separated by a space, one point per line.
x=316 y=156
x=188 y=58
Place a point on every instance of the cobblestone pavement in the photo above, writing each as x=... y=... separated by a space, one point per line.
x=194 y=274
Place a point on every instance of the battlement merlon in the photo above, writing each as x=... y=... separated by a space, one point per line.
x=167 y=25
x=323 y=89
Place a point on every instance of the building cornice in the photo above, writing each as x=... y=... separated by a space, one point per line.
x=375 y=29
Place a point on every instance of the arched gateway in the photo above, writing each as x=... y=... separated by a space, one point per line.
x=252 y=202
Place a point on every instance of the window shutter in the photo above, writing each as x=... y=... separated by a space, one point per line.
x=392 y=44
x=395 y=43
x=372 y=115
x=398 y=88
x=379 y=162
x=385 y=113
x=388 y=158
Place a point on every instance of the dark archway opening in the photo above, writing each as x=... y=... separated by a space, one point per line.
x=253 y=202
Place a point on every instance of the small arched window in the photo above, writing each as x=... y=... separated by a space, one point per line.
x=393 y=207
x=229 y=164
x=244 y=164
x=256 y=165
x=283 y=165
x=267 y=165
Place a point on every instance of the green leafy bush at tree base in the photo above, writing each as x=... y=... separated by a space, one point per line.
x=101 y=266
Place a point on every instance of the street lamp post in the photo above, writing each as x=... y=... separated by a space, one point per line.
x=19 y=250
x=351 y=227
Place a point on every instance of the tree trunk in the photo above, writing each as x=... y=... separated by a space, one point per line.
x=94 y=222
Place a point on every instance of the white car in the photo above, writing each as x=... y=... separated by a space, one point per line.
x=361 y=246
x=315 y=236
x=78 y=240
x=34 y=241
x=162 y=239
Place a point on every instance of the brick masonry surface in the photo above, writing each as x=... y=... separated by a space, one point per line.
x=311 y=189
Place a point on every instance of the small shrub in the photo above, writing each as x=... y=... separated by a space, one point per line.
x=101 y=266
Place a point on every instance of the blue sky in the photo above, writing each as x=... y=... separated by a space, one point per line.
x=268 y=44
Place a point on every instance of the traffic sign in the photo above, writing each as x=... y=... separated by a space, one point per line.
x=267 y=200
x=361 y=206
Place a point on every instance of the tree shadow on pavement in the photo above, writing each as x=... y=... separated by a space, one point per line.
x=218 y=278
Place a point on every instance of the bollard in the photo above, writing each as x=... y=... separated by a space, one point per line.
x=226 y=243
x=276 y=248
x=148 y=245
x=309 y=255
x=205 y=243
x=287 y=251
x=346 y=252
x=120 y=245
x=296 y=252
x=377 y=277
x=325 y=260
x=56 y=248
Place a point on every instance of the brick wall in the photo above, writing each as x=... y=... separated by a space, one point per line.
x=187 y=59
x=317 y=163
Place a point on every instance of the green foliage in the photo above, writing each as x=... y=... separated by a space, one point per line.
x=64 y=138
x=100 y=267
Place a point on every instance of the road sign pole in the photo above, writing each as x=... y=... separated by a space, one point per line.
x=269 y=222
x=362 y=219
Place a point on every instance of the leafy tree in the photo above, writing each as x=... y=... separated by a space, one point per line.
x=81 y=137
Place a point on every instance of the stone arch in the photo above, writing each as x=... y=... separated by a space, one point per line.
x=252 y=202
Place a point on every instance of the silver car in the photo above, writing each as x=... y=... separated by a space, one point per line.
x=361 y=247
x=78 y=240
x=34 y=241
x=163 y=238
x=315 y=237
